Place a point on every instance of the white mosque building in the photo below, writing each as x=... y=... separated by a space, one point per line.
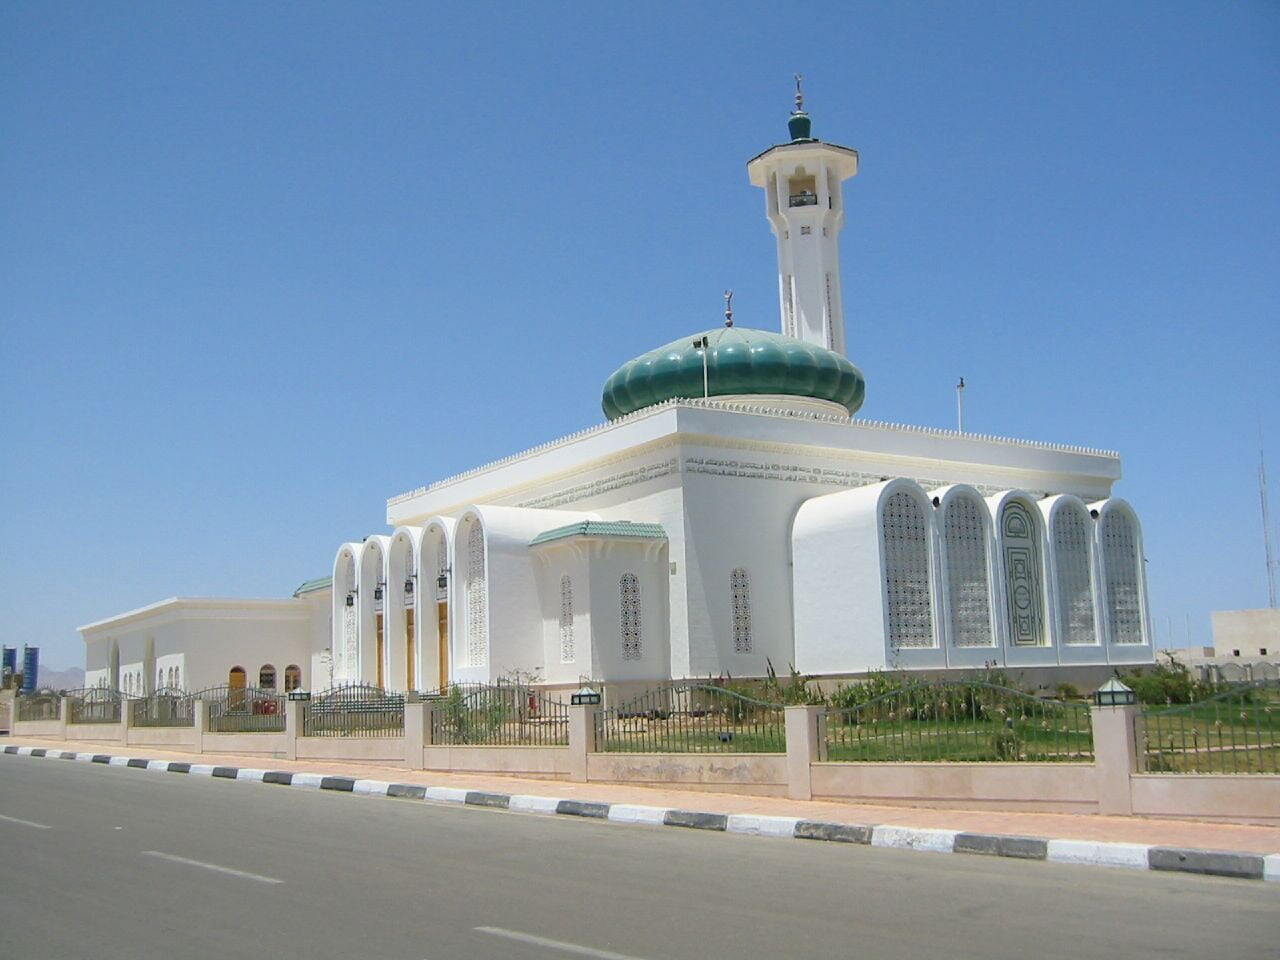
x=730 y=514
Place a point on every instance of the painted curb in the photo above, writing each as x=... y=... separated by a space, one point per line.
x=1220 y=863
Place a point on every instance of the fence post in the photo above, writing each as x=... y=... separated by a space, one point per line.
x=199 y=723
x=582 y=738
x=292 y=727
x=1115 y=756
x=803 y=743
x=64 y=711
x=417 y=730
x=126 y=719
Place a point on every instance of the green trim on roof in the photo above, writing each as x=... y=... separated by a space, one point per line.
x=616 y=529
x=311 y=586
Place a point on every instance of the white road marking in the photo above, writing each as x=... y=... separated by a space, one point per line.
x=26 y=823
x=556 y=944
x=210 y=866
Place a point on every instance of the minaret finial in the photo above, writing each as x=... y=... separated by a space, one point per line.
x=728 y=308
x=799 y=95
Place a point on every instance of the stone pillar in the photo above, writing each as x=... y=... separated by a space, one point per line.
x=64 y=712
x=803 y=744
x=199 y=723
x=1115 y=757
x=417 y=731
x=292 y=727
x=582 y=738
x=126 y=717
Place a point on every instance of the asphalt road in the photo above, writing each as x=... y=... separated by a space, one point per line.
x=105 y=862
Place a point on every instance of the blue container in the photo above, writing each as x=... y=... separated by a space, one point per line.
x=30 y=668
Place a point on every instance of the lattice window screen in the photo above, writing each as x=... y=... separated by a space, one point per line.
x=968 y=586
x=740 y=593
x=477 y=600
x=629 y=599
x=1120 y=557
x=566 y=620
x=906 y=571
x=1071 y=532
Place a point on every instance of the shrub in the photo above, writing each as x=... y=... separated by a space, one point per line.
x=1005 y=744
x=1068 y=691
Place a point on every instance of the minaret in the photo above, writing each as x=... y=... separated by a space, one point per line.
x=804 y=202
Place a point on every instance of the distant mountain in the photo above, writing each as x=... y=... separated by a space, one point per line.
x=69 y=679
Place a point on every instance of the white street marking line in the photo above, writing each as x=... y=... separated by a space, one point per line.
x=556 y=944
x=26 y=823
x=210 y=866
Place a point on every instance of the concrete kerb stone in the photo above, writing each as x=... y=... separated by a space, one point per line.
x=912 y=838
x=1131 y=855
x=1219 y=863
x=1249 y=866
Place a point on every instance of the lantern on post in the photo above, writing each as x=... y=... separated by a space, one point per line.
x=584 y=696
x=1113 y=693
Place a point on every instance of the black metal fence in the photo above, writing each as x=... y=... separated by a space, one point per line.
x=39 y=706
x=962 y=721
x=692 y=718
x=498 y=715
x=1236 y=731
x=243 y=709
x=354 y=710
x=95 y=705
x=164 y=708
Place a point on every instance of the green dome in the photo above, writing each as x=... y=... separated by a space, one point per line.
x=739 y=361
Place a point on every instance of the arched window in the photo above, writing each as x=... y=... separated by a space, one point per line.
x=177 y=678
x=1120 y=561
x=566 y=620
x=160 y=678
x=740 y=599
x=964 y=550
x=629 y=601
x=1072 y=530
x=1023 y=584
x=906 y=571
x=292 y=677
x=477 y=607
x=267 y=677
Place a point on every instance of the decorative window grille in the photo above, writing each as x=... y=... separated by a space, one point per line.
x=566 y=619
x=788 y=305
x=629 y=595
x=1120 y=560
x=740 y=592
x=964 y=541
x=442 y=568
x=1071 y=533
x=1023 y=583
x=348 y=655
x=477 y=607
x=906 y=571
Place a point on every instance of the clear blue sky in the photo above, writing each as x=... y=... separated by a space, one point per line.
x=264 y=265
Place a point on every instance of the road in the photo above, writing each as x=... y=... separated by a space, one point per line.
x=109 y=862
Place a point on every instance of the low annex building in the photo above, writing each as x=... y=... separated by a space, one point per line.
x=730 y=515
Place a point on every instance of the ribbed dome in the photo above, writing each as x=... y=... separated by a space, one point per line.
x=739 y=361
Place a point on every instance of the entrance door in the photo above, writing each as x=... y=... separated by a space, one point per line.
x=442 y=631
x=379 y=650
x=410 y=682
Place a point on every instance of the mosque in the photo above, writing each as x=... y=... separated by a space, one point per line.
x=730 y=515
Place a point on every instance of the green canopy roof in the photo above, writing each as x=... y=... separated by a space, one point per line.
x=739 y=361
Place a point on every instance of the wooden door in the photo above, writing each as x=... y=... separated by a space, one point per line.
x=442 y=632
x=410 y=682
x=379 y=650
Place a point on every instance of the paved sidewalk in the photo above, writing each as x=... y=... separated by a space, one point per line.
x=1168 y=833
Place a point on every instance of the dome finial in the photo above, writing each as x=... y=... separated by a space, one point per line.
x=798 y=123
x=728 y=308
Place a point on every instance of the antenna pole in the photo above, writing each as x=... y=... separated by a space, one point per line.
x=960 y=406
x=1266 y=523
